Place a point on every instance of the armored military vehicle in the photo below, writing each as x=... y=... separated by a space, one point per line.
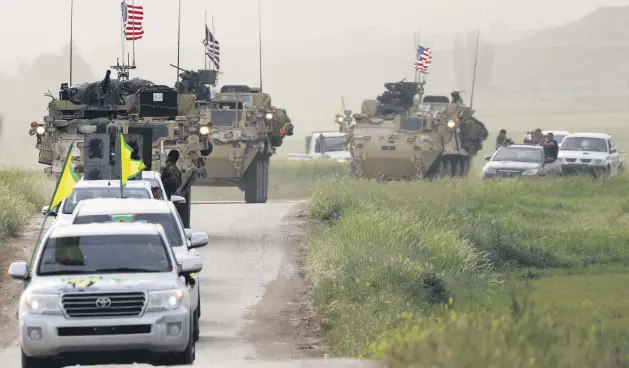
x=406 y=135
x=246 y=130
x=153 y=118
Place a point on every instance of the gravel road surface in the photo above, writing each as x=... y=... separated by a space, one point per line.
x=253 y=290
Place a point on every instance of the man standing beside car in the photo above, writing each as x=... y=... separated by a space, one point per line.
x=551 y=147
x=171 y=176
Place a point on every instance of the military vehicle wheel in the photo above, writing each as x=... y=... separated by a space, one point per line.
x=256 y=181
x=457 y=167
x=465 y=166
x=445 y=168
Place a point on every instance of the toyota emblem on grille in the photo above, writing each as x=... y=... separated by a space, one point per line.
x=103 y=302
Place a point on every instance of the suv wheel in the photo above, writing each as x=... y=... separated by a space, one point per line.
x=187 y=356
x=195 y=324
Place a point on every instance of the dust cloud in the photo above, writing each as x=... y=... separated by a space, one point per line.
x=561 y=59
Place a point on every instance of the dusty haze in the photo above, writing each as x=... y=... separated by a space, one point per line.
x=538 y=52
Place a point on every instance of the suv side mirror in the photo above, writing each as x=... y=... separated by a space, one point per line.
x=198 y=240
x=189 y=233
x=190 y=265
x=19 y=270
x=177 y=199
x=488 y=157
x=46 y=211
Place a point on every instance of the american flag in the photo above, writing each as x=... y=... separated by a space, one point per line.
x=132 y=16
x=212 y=48
x=424 y=59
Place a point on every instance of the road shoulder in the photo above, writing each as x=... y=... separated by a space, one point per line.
x=14 y=249
x=284 y=323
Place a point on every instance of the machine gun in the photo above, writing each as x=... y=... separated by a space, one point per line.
x=398 y=98
x=196 y=82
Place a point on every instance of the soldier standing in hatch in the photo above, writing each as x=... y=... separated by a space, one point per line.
x=171 y=176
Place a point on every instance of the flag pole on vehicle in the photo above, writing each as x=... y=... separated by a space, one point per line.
x=63 y=189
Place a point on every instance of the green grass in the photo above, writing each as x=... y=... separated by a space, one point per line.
x=21 y=194
x=531 y=271
x=287 y=180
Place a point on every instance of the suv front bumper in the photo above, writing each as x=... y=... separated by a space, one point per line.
x=574 y=169
x=155 y=332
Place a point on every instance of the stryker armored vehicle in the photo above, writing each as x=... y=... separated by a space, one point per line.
x=246 y=130
x=401 y=136
x=154 y=119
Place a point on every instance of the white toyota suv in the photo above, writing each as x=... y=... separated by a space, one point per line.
x=105 y=294
x=152 y=211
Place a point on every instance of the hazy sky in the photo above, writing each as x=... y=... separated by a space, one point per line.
x=43 y=25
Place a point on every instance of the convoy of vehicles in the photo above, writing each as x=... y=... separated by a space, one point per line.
x=115 y=288
x=517 y=161
x=324 y=145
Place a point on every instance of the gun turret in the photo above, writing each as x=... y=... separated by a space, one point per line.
x=398 y=98
x=196 y=82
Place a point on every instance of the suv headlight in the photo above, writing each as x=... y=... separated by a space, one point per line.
x=598 y=161
x=165 y=299
x=489 y=170
x=530 y=172
x=40 y=303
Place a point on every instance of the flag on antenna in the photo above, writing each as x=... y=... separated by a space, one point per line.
x=132 y=16
x=424 y=59
x=212 y=48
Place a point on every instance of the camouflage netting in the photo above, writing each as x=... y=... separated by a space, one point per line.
x=93 y=94
x=473 y=133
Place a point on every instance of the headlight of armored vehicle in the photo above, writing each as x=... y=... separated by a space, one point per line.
x=451 y=124
x=269 y=116
x=204 y=130
x=40 y=130
x=41 y=303
x=165 y=299
x=340 y=120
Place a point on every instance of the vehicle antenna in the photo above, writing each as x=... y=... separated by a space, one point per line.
x=475 y=64
x=71 y=41
x=260 y=40
x=178 y=38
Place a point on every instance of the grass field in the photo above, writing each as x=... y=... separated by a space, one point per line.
x=474 y=274
x=21 y=194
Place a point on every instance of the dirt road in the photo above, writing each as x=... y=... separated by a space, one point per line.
x=253 y=292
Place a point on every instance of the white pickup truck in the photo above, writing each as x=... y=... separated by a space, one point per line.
x=324 y=145
x=592 y=153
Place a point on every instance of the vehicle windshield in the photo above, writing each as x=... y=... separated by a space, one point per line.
x=159 y=131
x=584 y=144
x=519 y=154
x=88 y=254
x=168 y=222
x=412 y=124
x=225 y=117
x=335 y=144
x=246 y=99
x=80 y=194
x=434 y=107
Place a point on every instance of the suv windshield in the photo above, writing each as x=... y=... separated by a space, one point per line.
x=80 y=194
x=167 y=221
x=584 y=144
x=104 y=254
x=519 y=154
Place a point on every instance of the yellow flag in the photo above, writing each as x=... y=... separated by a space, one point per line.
x=128 y=167
x=67 y=181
